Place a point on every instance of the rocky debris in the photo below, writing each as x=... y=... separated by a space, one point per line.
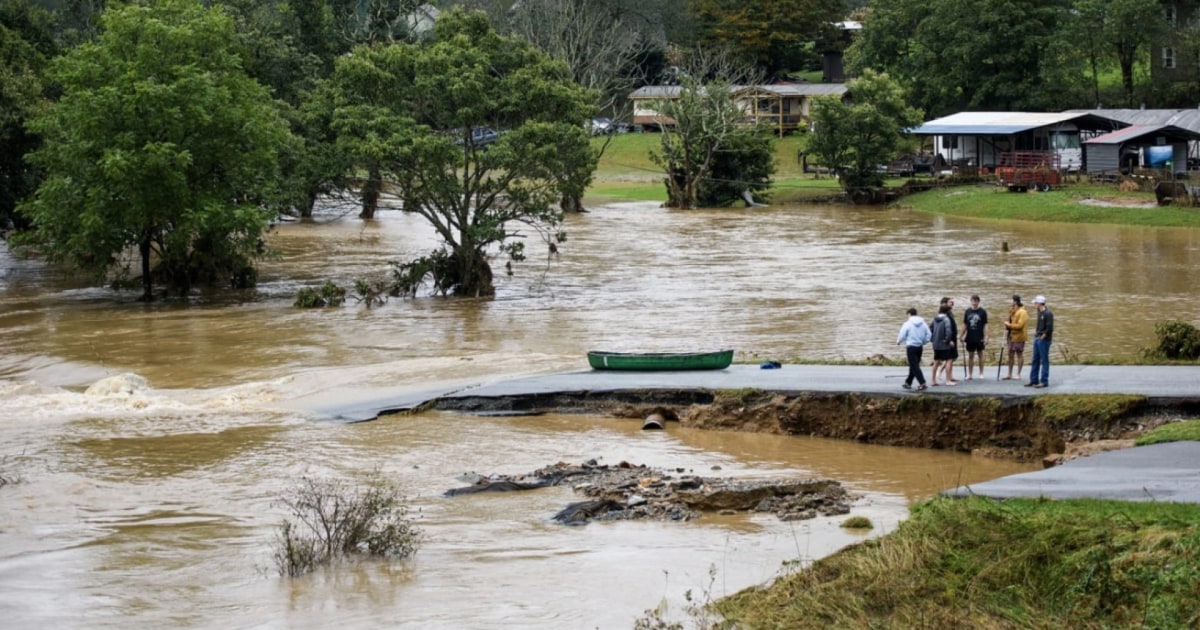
x=634 y=492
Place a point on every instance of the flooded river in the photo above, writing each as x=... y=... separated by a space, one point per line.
x=154 y=504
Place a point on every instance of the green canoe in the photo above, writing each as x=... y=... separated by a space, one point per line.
x=718 y=360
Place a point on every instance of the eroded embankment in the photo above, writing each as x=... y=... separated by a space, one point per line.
x=1020 y=427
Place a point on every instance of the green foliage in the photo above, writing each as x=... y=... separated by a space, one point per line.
x=745 y=162
x=161 y=145
x=857 y=522
x=953 y=56
x=707 y=135
x=372 y=294
x=768 y=32
x=992 y=564
x=331 y=519
x=857 y=137
x=406 y=112
x=1177 y=340
x=438 y=268
x=26 y=46
x=328 y=294
x=1182 y=431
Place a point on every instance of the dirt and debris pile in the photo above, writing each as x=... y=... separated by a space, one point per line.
x=633 y=492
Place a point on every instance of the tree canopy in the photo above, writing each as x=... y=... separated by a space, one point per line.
x=480 y=134
x=160 y=145
x=856 y=137
x=26 y=46
x=953 y=56
x=767 y=32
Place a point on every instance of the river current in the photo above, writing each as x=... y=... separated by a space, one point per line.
x=153 y=501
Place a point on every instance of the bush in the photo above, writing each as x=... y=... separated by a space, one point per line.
x=1177 y=340
x=329 y=294
x=332 y=519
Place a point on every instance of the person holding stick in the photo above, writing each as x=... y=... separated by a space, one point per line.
x=1017 y=336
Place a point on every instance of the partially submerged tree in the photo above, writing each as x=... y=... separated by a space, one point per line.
x=483 y=191
x=706 y=124
x=161 y=144
x=855 y=137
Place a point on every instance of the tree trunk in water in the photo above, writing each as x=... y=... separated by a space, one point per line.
x=147 y=281
x=571 y=203
x=475 y=279
x=310 y=202
x=370 y=194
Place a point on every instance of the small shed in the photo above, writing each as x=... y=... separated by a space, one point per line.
x=1149 y=146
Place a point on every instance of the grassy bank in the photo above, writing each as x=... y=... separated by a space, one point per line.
x=1187 y=430
x=1077 y=203
x=989 y=564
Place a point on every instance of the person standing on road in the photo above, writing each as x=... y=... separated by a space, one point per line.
x=1017 y=335
x=949 y=301
x=1039 y=368
x=943 y=343
x=914 y=334
x=974 y=335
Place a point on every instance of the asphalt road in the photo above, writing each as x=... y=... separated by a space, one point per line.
x=1166 y=472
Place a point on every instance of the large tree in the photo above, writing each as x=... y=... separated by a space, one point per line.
x=952 y=55
x=484 y=194
x=766 y=31
x=26 y=46
x=856 y=137
x=161 y=151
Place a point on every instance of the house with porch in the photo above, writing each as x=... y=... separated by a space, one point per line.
x=991 y=140
x=781 y=107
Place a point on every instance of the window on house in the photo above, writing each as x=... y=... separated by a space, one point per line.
x=949 y=142
x=1168 y=57
x=1171 y=14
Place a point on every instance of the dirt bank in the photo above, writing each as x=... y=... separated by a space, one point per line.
x=1049 y=428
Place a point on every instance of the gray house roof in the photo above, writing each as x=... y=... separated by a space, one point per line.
x=1185 y=118
x=1136 y=132
x=995 y=123
x=779 y=89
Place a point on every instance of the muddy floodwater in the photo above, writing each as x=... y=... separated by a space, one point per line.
x=153 y=502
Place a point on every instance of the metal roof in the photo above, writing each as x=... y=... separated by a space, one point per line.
x=1183 y=118
x=994 y=123
x=797 y=89
x=1130 y=134
x=778 y=89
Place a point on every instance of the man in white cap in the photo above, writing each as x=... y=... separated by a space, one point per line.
x=1039 y=368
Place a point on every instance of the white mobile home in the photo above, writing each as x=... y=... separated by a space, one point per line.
x=988 y=140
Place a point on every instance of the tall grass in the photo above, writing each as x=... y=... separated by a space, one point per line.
x=981 y=563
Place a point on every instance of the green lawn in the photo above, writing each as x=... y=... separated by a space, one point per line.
x=1075 y=203
x=625 y=171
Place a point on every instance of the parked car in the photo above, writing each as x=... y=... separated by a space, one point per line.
x=600 y=126
x=480 y=136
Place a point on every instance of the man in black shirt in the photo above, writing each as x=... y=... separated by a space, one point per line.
x=1039 y=369
x=974 y=336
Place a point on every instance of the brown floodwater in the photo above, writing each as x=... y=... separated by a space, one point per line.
x=153 y=503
